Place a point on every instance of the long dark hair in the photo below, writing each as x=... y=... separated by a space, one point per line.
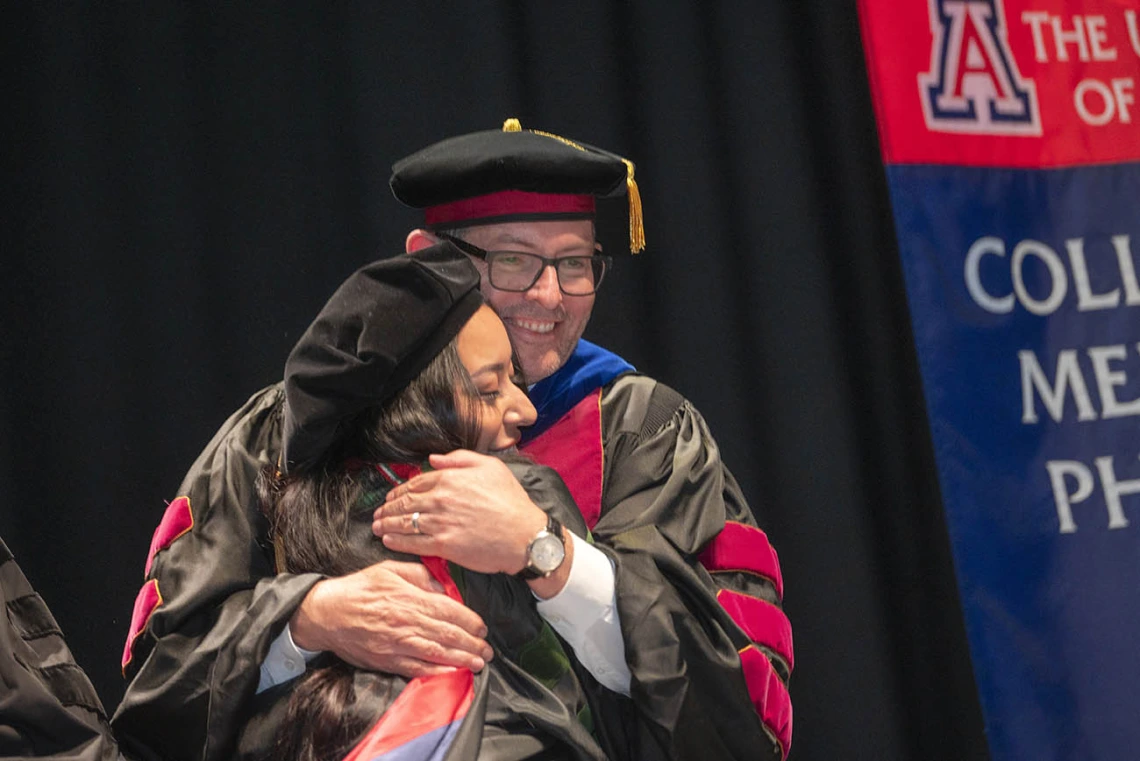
x=311 y=512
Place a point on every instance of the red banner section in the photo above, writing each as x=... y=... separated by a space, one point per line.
x=1005 y=83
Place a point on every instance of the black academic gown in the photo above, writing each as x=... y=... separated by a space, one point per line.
x=196 y=661
x=529 y=702
x=48 y=707
x=665 y=498
x=696 y=576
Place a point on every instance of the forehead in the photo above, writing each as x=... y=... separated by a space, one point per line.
x=483 y=340
x=550 y=236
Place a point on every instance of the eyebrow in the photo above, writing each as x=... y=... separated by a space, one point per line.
x=494 y=367
x=510 y=239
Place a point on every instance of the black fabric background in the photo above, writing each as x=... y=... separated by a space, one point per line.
x=187 y=183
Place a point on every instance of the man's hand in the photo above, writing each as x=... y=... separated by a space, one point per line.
x=391 y=617
x=470 y=510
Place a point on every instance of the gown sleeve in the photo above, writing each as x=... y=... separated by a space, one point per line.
x=699 y=589
x=528 y=703
x=48 y=707
x=210 y=604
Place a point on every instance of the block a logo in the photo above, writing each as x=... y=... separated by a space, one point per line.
x=973 y=84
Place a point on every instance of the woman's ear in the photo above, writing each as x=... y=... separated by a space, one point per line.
x=419 y=239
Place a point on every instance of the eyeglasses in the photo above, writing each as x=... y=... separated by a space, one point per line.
x=518 y=271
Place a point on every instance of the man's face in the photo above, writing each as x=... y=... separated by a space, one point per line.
x=544 y=323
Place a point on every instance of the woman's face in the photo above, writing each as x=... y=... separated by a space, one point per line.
x=485 y=351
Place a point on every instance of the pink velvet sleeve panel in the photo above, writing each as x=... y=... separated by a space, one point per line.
x=146 y=602
x=769 y=696
x=740 y=547
x=763 y=622
x=176 y=522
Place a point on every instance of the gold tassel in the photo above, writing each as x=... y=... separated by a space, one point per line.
x=636 y=223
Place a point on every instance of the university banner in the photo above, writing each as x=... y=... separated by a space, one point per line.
x=1010 y=133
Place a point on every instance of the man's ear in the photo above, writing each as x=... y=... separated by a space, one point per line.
x=419 y=239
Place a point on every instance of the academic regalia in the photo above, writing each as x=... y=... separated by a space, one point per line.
x=211 y=603
x=528 y=702
x=222 y=605
x=195 y=664
x=698 y=586
x=708 y=647
x=48 y=707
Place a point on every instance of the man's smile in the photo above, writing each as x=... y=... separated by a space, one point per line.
x=534 y=326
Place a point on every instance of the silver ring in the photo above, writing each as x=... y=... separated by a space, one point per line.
x=416 y=522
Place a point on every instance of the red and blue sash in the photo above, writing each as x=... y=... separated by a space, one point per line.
x=423 y=722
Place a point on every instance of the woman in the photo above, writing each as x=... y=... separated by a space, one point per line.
x=405 y=361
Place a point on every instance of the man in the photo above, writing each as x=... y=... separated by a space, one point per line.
x=687 y=590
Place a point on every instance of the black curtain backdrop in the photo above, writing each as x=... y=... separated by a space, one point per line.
x=187 y=184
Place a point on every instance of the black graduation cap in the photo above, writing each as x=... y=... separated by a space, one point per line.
x=514 y=174
x=381 y=327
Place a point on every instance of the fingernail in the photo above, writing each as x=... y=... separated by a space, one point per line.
x=477 y=664
x=488 y=654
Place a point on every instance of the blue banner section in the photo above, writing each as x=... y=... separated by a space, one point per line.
x=1026 y=310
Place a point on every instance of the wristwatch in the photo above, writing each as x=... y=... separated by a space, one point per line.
x=545 y=552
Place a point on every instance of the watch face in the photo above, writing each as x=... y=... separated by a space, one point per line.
x=547 y=553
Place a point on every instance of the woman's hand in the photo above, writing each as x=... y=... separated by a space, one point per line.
x=470 y=510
